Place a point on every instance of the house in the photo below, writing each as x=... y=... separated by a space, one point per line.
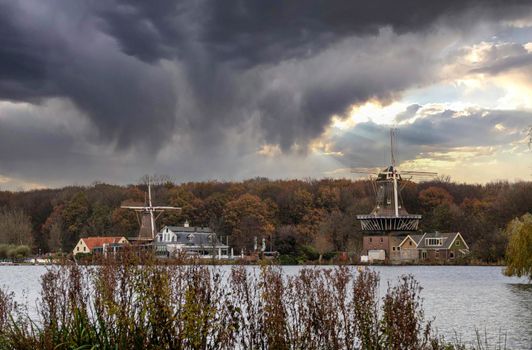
x=99 y=245
x=406 y=249
x=435 y=246
x=442 y=246
x=199 y=241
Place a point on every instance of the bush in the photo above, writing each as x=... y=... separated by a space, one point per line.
x=11 y=251
x=133 y=303
x=309 y=253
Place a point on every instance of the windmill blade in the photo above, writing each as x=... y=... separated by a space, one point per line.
x=166 y=208
x=418 y=173
x=133 y=207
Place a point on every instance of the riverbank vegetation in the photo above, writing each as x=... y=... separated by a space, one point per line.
x=123 y=305
x=519 y=255
x=304 y=220
x=14 y=252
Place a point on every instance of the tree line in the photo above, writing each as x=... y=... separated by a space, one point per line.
x=300 y=219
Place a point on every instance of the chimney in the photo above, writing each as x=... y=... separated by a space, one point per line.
x=186 y=224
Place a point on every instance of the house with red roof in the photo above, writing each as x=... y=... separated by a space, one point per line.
x=99 y=244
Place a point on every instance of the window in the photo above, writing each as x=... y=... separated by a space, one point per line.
x=437 y=254
x=410 y=243
x=370 y=240
x=451 y=254
x=398 y=248
x=78 y=249
x=433 y=241
x=393 y=248
x=457 y=242
x=423 y=255
x=382 y=239
x=84 y=249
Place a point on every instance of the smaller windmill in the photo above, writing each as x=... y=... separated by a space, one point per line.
x=389 y=215
x=147 y=216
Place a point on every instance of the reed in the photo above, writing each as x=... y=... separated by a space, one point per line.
x=134 y=302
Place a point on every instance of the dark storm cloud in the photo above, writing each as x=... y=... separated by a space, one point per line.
x=54 y=50
x=264 y=31
x=106 y=57
x=148 y=73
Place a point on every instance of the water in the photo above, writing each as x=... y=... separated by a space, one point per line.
x=461 y=299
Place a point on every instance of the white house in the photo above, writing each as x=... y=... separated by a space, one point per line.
x=201 y=241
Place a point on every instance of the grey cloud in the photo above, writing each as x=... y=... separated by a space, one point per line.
x=148 y=75
x=505 y=64
x=367 y=144
x=109 y=58
x=63 y=55
x=250 y=32
x=408 y=113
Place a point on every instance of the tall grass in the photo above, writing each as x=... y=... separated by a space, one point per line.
x=132 y=302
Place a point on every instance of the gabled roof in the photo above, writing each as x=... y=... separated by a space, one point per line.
x=177 y=229
x=194 y=236
x=415 y=238
x=447 y=240
x=93 y=242
x=463 y=240
x=396 y=240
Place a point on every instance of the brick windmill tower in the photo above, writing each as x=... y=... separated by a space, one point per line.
x=147 y=216
x=389 y=215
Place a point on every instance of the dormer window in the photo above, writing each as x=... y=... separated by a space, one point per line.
x=434 y=242
x=190 y=237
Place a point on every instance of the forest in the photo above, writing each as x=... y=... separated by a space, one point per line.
x=298 y=218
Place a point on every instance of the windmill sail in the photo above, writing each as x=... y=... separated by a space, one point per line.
x=148 y=216
x=389 y=215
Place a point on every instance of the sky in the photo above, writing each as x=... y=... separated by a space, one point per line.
x=108 y=91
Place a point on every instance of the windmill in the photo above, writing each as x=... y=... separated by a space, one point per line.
x=389 y=215
x=148 y=216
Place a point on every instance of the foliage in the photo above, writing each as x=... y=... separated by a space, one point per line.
x=519 y=252
x=14 y=252
x=15 y=227
x=289 y=214
x=247 y=217
x=120 y=305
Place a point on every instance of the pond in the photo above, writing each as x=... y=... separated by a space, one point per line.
x=462 y=300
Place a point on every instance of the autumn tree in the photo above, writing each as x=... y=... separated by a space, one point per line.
x=519 y=252
x=75 y=216
x=124 y=222
x=15 y=227
x=247 y=217
x=310 y=224
x=338 y=227
x=99 y=222
x=435 y=196
x=323 y=244
x=328 y=198
x=53 y=229
x=188 y=202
